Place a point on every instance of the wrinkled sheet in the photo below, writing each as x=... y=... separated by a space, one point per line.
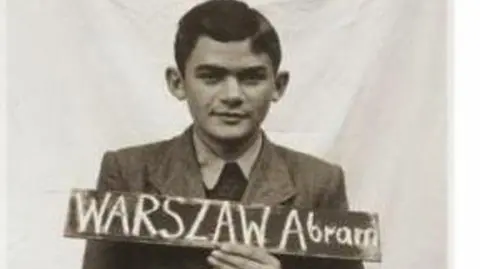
x=368 y=91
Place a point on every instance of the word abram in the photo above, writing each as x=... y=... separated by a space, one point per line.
x=207 y=222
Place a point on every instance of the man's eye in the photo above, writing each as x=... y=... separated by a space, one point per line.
x=252 y=79
x=210 y=78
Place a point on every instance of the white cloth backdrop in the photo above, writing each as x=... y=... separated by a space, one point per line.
x=367 y=91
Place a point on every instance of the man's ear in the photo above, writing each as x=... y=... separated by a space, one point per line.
x=175 y=83
x=281 y=83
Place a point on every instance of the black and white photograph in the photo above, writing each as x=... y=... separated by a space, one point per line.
x=227 y=134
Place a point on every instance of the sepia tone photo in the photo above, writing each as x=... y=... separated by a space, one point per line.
x=330 y=114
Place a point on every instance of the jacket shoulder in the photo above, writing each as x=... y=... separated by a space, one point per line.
x=316 y=179
x=127 y=167
x=144 y=151
x=304 y=161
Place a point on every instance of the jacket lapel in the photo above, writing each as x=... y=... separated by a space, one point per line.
x=270 y=181
x=177 y=173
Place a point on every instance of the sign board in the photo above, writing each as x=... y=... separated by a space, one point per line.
x=179 y=221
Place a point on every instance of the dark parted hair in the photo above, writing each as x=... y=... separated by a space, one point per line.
x=224 y=21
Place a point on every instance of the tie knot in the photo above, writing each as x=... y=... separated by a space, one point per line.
x=231 y=167
x=231 y=184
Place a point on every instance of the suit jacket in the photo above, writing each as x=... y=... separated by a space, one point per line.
x=279 y=177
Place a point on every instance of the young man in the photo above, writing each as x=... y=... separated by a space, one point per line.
x=228 y=58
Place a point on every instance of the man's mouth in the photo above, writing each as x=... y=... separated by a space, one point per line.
x=230 y=117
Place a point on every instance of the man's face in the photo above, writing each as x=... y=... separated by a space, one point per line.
x=228 y=88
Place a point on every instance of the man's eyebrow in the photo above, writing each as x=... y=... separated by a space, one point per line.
x=221 y=69
x=211 y=68
x=253 y=69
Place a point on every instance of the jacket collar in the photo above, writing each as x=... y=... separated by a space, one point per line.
x=211 y=165
x=177 y=173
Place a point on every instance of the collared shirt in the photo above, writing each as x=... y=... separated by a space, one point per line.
x=211 y=164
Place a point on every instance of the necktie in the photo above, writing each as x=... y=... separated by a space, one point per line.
x=231 y=184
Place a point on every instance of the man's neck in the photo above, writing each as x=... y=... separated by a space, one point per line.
x=227 y=149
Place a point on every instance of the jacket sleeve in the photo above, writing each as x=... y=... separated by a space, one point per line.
x=337 y=200
x=334 y=199
x=101 y=254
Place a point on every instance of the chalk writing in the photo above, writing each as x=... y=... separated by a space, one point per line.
x=204 y=223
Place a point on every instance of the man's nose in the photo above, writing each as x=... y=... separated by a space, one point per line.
x=232 y=92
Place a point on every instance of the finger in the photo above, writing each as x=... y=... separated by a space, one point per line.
x=217 y=264
x=255 y=253
x=236 y=261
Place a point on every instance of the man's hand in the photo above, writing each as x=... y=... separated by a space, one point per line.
x=230 y=256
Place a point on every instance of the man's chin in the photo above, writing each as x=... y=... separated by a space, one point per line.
x=232 y=134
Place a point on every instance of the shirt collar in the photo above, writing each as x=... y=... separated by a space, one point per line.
x=211 y=165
